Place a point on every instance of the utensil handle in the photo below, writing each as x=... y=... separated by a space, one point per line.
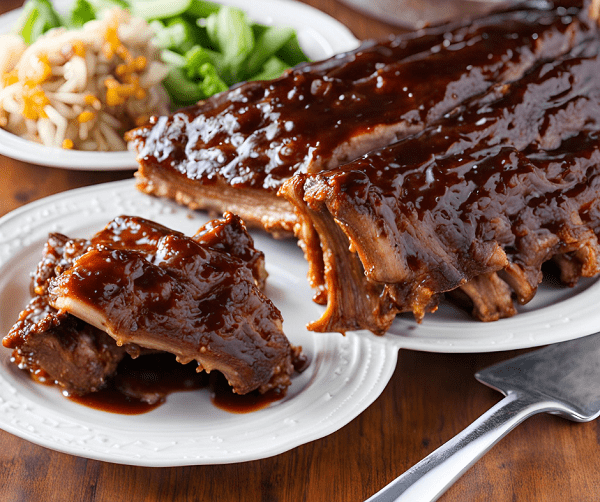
x=431 y=477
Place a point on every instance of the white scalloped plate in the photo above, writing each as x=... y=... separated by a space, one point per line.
x=345 y=375
x=319 y=35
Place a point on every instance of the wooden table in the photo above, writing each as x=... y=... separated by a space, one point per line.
x=430 y=398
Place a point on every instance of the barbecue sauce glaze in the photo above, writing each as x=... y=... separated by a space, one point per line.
x=259 y=134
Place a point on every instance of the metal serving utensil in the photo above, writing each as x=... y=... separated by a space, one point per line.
x=561 y=379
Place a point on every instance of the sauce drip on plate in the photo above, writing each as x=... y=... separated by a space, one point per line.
x=156 y=376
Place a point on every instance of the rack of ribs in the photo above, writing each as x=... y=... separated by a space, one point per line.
x=138 y=287
x=235 y=150
x=473 y=205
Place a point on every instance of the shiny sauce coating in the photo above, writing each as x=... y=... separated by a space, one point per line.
x=170 y=293
x=261 y=133
x=520 y=157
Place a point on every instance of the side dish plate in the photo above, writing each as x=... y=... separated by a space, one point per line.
x=320 y=36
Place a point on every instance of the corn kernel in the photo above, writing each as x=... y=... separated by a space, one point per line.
x=67 y=144
x=85 y=117
x=79 y=48
x=112 y=41
x=123 y=53
x=111 y=83
x=93 y=101
x=34 y=101
x=10 y=78
x=140 y=63
x=113 y=97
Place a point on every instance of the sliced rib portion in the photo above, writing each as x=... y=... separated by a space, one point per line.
x=233 y=151
x=204 y=304
x=57 y=347
x=229 y=235
x=171 y=293
x=60 y=348
x=501 y=185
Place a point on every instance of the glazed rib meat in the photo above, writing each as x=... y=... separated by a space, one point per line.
x=234 y=150
x=553 y=101
x=57 y=347
x=173 y=294
x=253 y=353
x=478 y=201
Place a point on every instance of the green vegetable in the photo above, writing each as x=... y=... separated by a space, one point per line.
x=191 y=35
x=269 y=42
x=292 y=53
x=213 y=46
x=211 y=82
x=272 y=68
x=197 y=56
x=231 y=32
x=173 y=58
x=177 y=35
x=81 y=13
x=182 y=90
x=159 y=9
x=201 y=8
x=193 y=76
x=37 y=18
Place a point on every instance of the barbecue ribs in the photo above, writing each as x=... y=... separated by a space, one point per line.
x=150 y=289
x=234 y=150
x=478 y=201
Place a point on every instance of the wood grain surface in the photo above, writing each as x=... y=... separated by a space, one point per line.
x=430 y=398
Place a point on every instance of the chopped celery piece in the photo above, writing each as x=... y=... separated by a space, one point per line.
x=159 y=9
x=230 y=31
x=201 y=8
x=182 y=90
x=189 y=30
x=81 y=13
x=194 y=59
x=201 y=37
x=292 y=53
x=259 y=29
x=164 y=37
x=269 y=42
x=37 y=18
x=178 y=34
x=197 y=56
x=173 y=58
x=272 y=68
x=211 y=82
